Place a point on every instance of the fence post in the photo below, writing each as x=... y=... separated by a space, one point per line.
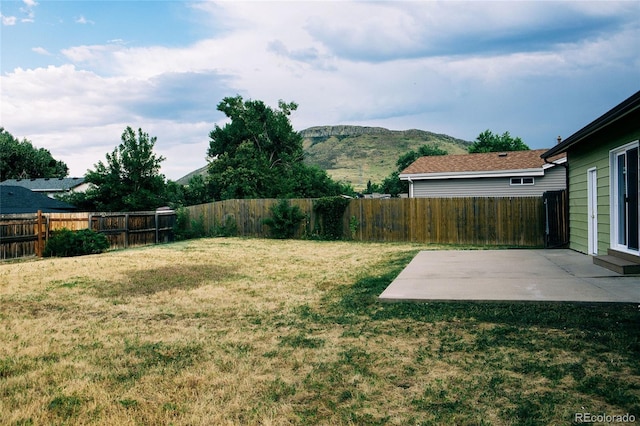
x=156 y=223
x=39 y=248
x=47 y=230
x=126 y=230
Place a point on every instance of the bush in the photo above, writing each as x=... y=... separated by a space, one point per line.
x=65 y=243
x=229 y=229
x=186 y=228
x=330 y=211
x=284 y=221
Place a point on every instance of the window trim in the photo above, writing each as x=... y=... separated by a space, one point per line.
x=520 y=181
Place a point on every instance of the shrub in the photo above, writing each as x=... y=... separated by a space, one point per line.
x=65 y=243
x=229 y=229
x=353 y=227
x=331 y=210
x=186 y=228
x=284 y=221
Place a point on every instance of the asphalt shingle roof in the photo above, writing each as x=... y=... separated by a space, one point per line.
x=484 y=162
x=46 y=184
x=16 y=200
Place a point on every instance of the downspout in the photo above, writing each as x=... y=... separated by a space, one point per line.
x=566 y=170
x=410 y=186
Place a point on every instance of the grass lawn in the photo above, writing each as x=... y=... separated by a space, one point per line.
x=250 y=331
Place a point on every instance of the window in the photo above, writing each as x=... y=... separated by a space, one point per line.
x=522 y=181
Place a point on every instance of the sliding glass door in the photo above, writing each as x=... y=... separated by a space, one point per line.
x=625 y=198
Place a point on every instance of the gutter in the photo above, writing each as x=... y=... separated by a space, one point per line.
x=472 y=175
x=564 y=164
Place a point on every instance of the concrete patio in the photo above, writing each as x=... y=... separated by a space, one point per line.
x=559 y=275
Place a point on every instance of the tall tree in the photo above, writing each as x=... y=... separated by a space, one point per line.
x=488 y=142
x=129 y=181
x=259 y=155
x=21 y=160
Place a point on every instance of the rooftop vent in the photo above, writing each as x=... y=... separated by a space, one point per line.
x=502 y=154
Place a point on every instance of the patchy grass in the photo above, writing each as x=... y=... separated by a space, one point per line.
x=249 y=331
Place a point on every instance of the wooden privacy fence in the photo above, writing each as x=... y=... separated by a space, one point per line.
x=515 y=221
x=134 y=229
x=556 y=206
x=26 y=235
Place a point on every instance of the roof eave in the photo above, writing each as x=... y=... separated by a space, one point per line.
x=472 y=175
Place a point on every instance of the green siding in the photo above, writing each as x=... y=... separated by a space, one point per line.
x=593 y=153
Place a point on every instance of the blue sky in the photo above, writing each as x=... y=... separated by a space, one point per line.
x=74 y=74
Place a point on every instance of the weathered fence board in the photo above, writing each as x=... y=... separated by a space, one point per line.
x=557 y=218
x=515 y=221
x=19 y=233
x=125 y=230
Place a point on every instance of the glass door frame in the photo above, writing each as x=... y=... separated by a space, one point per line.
x=620 y=207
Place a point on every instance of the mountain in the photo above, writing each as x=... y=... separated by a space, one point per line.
x=184 y=180
x=357 y=154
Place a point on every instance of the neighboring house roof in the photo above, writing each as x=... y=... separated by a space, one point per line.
x=627 y=110
x=46 y=184
x=491 y=164
x=16 y=199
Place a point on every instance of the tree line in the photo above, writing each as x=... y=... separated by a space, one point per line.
x=256 y=154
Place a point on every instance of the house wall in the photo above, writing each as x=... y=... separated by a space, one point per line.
x=52 y=194
x=589 y=154
x=554 y=179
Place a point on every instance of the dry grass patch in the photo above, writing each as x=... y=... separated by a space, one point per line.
x=249 y=331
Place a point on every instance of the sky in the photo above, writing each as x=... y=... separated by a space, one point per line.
x=75 y=74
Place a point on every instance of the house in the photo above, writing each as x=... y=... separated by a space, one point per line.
x=19 y=200
x=493 y=174
x=50 y=186
x=603 y=187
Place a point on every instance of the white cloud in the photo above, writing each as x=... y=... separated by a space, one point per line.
x=89 y=54
x=41 y=51
x=84 y=21
x=8 y=20
x=397 y=64
x=28 y=10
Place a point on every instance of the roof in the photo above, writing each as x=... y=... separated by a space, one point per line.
x=16 y=199
x=46 y=184
x=479 y=165
x=621 y=111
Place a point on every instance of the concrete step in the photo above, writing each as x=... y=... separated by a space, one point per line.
x=617 y=264
x=623 y=255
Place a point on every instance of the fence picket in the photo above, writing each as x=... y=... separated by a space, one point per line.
x=485 y=221
x=22 y=235
x=475 y=220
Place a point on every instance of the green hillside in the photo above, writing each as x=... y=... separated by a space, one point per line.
x=356 y=154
